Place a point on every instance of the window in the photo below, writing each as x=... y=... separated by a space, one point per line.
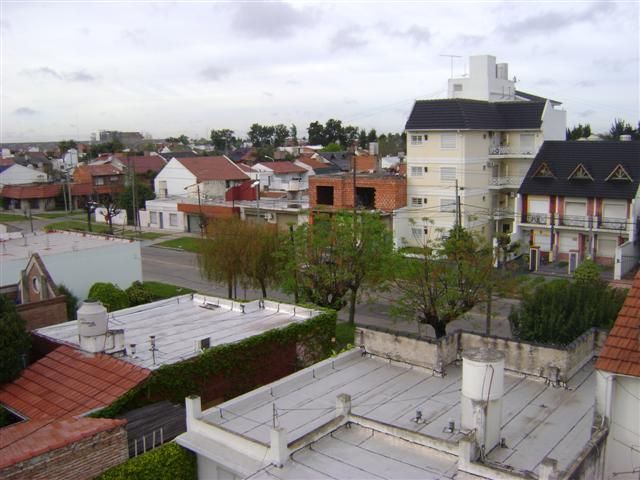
x=457 y=87
x=153 y=218
x=447 y=205
x=418 y=171
x=619 y=173
x=447 y=173
x=580 y=173
x=35 y=284
x=419 y=233
x=417 y=139
x=99 y=180
x=113 y=179
x=324 y=195
x=544 y=171
x=448 y=140
x=173 y=219
x=418 y=201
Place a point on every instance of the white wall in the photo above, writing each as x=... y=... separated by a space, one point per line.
x=118 y=262
x=554 y=123
x=482 y=82
x=177 y=177
x=19 y=175
x=166 y=208
x=120 y=219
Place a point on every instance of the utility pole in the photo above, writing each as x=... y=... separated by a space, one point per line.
x=458 y=211
x=490 y=286
x=134 y=209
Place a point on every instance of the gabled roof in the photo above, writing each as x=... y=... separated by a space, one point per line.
x=186 y=154
x=341 y=160
x=145 y=163
x=465 y=114
x=49 y=190
x=69 y=382
x=101 y=170
x=317 y=165
x=213 y=168
x=283 y=167
x=621 y=352
x=245 y=168
x=600 y=159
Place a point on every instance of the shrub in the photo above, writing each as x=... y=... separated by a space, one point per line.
x=111 y=296
x=169 y=462
x=71 y=301
x=138 y=294
x=14 y=340
x=559 y=311
x=587 y=271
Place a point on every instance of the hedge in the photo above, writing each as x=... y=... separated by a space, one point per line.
x=235 y=363
x=168 y=462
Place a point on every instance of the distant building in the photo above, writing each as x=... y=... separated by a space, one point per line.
x=129 y=139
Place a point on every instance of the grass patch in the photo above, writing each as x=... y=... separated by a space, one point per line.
x=344 y=335
x=77 y=226
x=161 y=290
x=59 y=214
x=188 y=244
x=9 y=217
x=143 y=235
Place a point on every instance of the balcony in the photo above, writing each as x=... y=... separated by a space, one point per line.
x=577 y=221
x=613 y=223
x=505 y=182
x=537 y=218
x=508 y=151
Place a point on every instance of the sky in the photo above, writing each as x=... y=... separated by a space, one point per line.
x=168 y=68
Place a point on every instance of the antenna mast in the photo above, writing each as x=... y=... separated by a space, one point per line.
x=451 y=57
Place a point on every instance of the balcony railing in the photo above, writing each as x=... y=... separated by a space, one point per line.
x=613 y=223
x=536 y=218
x=574 y=221
x=508 y=150
x=514 y=181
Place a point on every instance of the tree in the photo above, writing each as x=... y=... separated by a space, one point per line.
x=559 y=311
x=138 y=294
x=362 y=138
x=335 y=257
x=14 y=341
x=445 y=280
x=65 y=145
x=280 y=135
x=316 y=134
x=333 y=131
x=263 y=262
x=125 y=199
x=182 y=139
x=71 y=301
x=110 y=211
x=372 y=136
x=260 y=135
x=579 y=131
x=108 y=147
x=349 y=136
x=588 y=271
x=332 y=147
x=621 y=127
x=223 y=140
x=294 y=133
x=111 y=296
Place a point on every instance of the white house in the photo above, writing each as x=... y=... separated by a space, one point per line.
x=207 y=176
x=282 y=176
x=163 y=214
x=19 y=175
x=618 y=391
x=482 y=139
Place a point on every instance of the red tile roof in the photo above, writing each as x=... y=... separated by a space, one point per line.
x=146 y=163
x=283 y=167
x=313 y=163
x=6 y=162
x=213 y=168
x=245 y=168
x=70 y=382
x=102 y=170
x=621 y=351
x=25 y=440
x=47 y=190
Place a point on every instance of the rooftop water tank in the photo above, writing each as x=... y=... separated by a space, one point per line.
x=92 y=319
x=482 y=374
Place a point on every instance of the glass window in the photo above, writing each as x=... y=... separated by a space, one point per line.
x=447 y=173
x=173 y=219
x=416 y=139
x=153 y=217
x=416 y=171
x=416 y=201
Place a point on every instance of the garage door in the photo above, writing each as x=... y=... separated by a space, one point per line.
x=606 y=247
x=542 y=240
x=567 y=242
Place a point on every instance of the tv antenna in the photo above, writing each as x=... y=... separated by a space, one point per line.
x=451 y=57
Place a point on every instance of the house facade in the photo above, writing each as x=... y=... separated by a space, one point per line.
x=16 y=174
x=472 y=150
x=579 y=200
x=286 y=176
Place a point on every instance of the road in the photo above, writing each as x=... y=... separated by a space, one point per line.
x=181 y=268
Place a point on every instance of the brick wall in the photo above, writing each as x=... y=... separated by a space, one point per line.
x=366 y=163
x=210 y=211
x=391 y=190
x=84 y=459
x=43 y=313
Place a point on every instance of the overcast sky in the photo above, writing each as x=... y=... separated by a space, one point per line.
x=72 y=68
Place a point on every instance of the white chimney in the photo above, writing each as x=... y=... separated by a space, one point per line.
x=482 y=391
x=92 y=326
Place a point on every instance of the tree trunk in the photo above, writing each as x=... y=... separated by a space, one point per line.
x=263 y=287
x=352 y=306
x=440 y=329
x=230 y=288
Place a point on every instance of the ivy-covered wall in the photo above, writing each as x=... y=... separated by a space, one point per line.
x=229 y=370
x=169 y=462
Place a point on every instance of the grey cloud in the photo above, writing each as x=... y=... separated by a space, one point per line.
x=25 y=111
x=80 y=76
x=585 y=83
x=269 y=19
x=546 y=81
x=346 y=39
x=84 y=31
x=5 y=25
x=76 y=76
x=553 y=21
x=136 y=36
x=468 y=40
x=267 y=94
x=586 y=113
x=417 y=34
x=214 y=74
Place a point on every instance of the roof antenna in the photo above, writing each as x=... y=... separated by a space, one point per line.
x=451 y=57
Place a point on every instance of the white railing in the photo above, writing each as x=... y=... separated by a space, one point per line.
x=508 y=150
x=513 y=181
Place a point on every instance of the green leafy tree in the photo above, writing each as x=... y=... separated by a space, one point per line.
x=621 y=127
x=138 y=294
x=182 y=139
x=559 y=311
x=444 y=280
x=372 y=136
x=294 y=133
x=71 y=301
x=328 y=262
x=349 y=136
x=587 y=271
x=263 y=264
x=362 y=138
x=261 y=135
x=65 y=145
x=332 y=147
x=223 y=140
x=110 y=295
x=108 y=147
x=391 y=143
x=579 y=131
x=316 y=135
x=14 y=341
x=125 y=199
x=333 y=131
x=280 y=134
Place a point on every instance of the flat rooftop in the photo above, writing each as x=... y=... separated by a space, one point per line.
x=179 y=322
x=19 y=246
x=538 y=420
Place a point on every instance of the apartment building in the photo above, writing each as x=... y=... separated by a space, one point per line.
x=475 y=146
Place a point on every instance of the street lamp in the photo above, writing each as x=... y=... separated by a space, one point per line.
x=270 y=158
x=256 y=185
x=202 y=218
